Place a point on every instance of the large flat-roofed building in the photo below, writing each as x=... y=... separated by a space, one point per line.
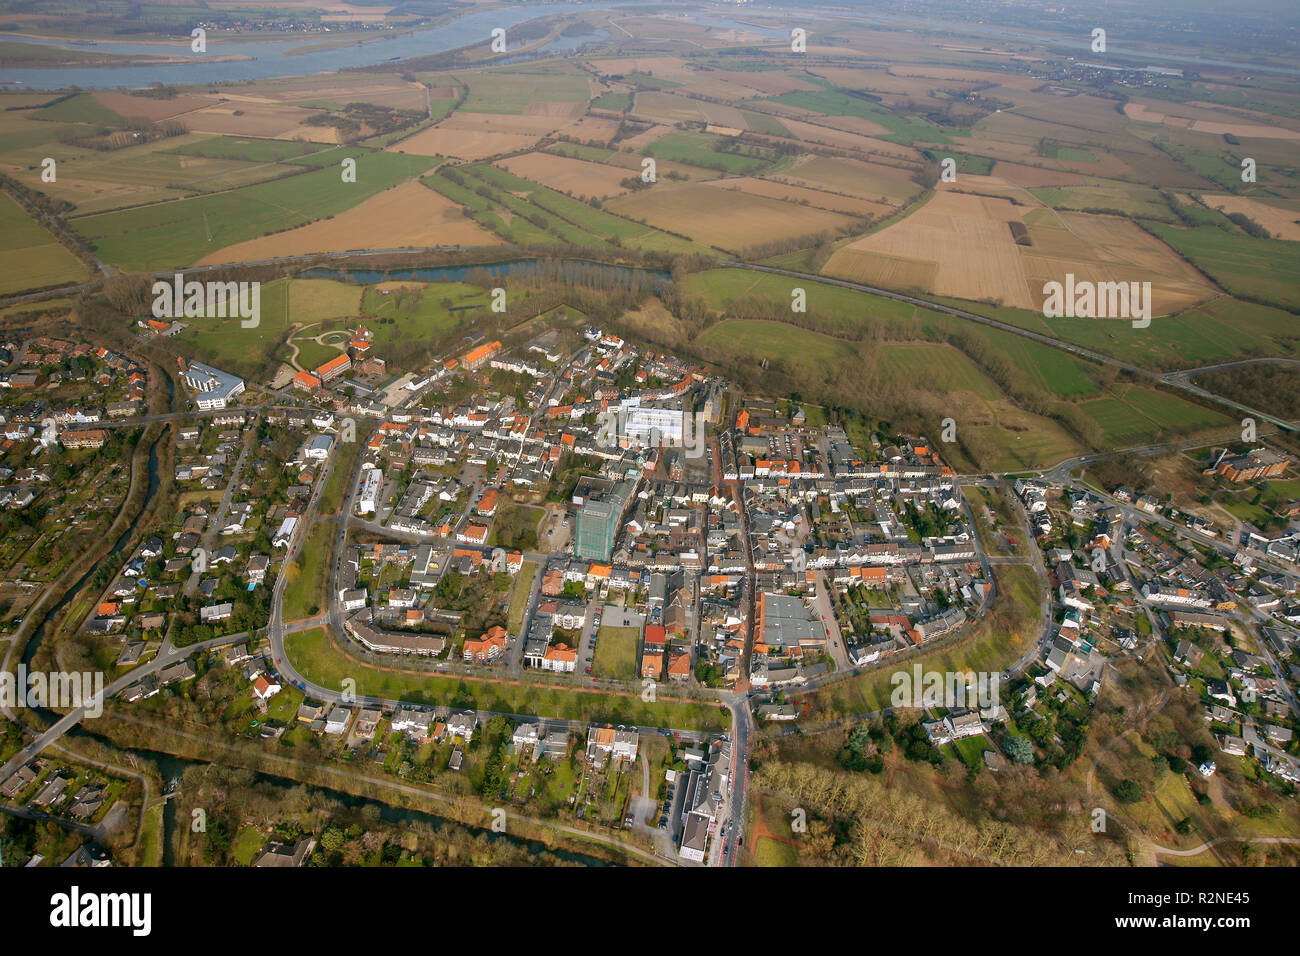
x=213 y=388
x=644 y=425
x=785 y=623
x=598 y=520
x=368 y=501
x=1254 y=465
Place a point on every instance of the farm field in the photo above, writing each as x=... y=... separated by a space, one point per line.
x=584 y=179
x=1261 y=269
x=1280 y=222
x=45 y=261
x=256 y=117
x=709 y=151
x=164 y=169
x=522 y=211
x=712 y=217
x=817 y=198
x=956 y=245
x=249 y=149
x=463 y=144
x=1214 y=331
x=524 y=90
x=1131 y=414
x=1213 y=121
x=172 y=234
x=408 y=215
x=962 y=246
x=885 y=185
x=777 y=341
x=1130 y=200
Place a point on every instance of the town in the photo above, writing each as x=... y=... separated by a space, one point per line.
x=575 y=511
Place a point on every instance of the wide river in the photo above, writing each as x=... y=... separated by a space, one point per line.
x=273 y=58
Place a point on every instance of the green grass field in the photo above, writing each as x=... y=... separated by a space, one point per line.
x=82 y=108
x=1069 y=154
x=593 y=154
x=831 y=102
x=618 y=102
x=524 y=212
x=763 y=123
x=1131 y=414
x=250 y=149
x=1050 y=369
x=511 y=92
x=697 y=149
x=1218 y=330
x=305 y=594
x=1257 y=268
x=836 y=306
x=337 y=488
x=175 y=234
x=912 y=362
x=319 y=300
x=1126 y=198
x=313 y=354
x=44 y=260
x=777 y=341
x=519 y=592
x=304 y=302
x=425 y=313
x=616 y=650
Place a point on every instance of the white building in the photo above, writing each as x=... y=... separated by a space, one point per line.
x=643 y=425
x=285 y=534
x=319 y=447
x=370 y=488
x=213 y=388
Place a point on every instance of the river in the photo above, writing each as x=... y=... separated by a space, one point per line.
x=274 y=58
x=171 y=767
